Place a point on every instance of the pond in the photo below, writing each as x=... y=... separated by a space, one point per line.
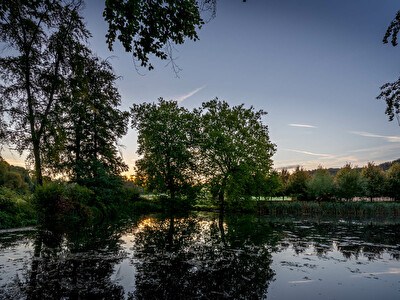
x=204 y=256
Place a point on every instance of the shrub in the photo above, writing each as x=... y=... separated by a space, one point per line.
x=15 y=210
x=60 y=202
x=7 y=200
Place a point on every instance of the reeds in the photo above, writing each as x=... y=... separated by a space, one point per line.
x=341 y=209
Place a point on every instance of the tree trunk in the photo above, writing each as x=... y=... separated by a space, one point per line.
x=221 y=201
x=38 y=162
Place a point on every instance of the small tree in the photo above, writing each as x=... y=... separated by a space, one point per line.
x=321 y=186
x=297 y=184
x=374 y=180
x=273 y=184
x=349 y=183
x=284 y=176
x=393 y=180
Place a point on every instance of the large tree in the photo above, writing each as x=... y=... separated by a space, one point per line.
x=37 y=34
x=166 y=145
x=84 y=143
x=234 y=145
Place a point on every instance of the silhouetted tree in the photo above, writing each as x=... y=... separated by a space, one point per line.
x=37 y=34
x=147 y=28
x=84 y=143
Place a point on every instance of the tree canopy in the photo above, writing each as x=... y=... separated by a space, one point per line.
x=217 y=145
x=166 y=143
x=234 y=145
x=39 y=35
x=321 y=185
x=147 y=28
x=89 y=122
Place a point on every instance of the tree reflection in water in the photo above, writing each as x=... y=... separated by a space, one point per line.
x=73 y=264
x=200 y=256
x=195 y=258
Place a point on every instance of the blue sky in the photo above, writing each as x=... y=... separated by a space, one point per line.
x=315 y=66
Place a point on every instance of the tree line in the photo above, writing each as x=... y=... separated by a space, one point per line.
x=370 y=181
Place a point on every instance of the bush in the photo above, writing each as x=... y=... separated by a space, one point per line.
x=15 y=210
x=7 y=200
x=62 y=202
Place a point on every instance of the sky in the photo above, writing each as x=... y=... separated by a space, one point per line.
x=316 y=67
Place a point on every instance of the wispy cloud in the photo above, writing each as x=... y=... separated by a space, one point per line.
x=309 y=153
x=190 y=94
x=388 y=138
x=302 y=125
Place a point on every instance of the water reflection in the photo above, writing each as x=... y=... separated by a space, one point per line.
x=189 y=258
x=70 y=264
x=202 y=256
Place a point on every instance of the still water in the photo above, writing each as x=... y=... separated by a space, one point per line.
x=204 y=256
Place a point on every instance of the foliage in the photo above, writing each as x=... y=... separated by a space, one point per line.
x=297 y=184
x=233 y=145
x=284 y=176
x=321 y=186
x=62 y=202
x=393 y=179
x=15 y=178
x=38 y=36
x=15 y=210
x=89 y=123
x=349 y=183
x=151 y=27
x=166 y=143
x=374 y=180
x=269 y=186
x=390 y=91
x=393 y=30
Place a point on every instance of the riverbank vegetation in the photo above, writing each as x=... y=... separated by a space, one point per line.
x=299 y=193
